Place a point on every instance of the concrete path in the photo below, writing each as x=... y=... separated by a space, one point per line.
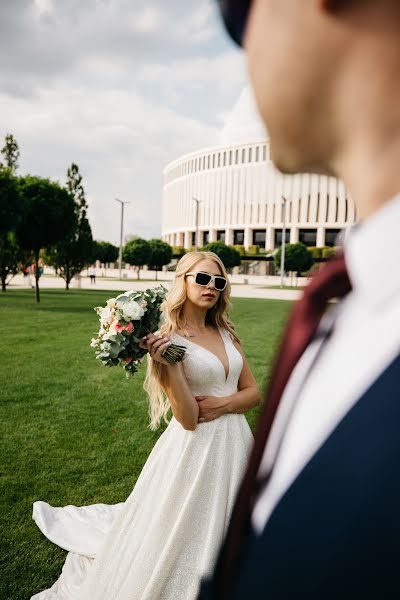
x=255 y=288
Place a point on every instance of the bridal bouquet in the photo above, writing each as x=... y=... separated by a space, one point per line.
x=123 y=322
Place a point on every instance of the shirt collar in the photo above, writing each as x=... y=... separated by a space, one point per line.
x=372 y=253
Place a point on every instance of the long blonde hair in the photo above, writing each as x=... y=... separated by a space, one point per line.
x=173 y=319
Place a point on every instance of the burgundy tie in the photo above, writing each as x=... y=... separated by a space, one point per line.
x=332 y=281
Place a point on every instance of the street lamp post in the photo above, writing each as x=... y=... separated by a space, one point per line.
x=283 y=238
x=197 y=222
x=122 y=203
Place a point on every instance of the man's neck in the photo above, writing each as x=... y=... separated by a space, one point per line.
x=371 y=173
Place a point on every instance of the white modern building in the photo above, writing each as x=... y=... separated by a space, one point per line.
x=240 y=196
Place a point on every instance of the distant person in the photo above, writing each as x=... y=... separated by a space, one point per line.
x=317 y=515
x=92 y=275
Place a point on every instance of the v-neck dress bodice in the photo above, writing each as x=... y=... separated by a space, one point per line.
x=166 y=535
x=204 y=370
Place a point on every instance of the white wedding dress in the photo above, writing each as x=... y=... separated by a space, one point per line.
x=159 y=542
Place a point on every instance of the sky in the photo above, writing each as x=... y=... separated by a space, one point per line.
x=122 y=88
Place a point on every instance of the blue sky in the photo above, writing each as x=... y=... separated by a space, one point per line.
x=121 y=87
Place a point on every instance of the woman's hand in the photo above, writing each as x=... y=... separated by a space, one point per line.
x=156 y=345
x=211 y=407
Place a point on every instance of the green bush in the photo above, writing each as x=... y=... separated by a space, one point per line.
x=228 y=254
x=178 y=250
x=253 y=249
x=328 y=252
x=316 y=251
x=239 y=248
x=298 y=258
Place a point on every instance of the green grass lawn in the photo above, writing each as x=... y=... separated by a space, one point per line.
x=73 y=431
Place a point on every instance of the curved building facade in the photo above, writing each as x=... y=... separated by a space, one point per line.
x=240 y=195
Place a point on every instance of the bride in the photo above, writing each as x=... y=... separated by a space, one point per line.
x=160 y=542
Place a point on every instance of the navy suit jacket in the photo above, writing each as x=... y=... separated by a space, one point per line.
x=335 y=534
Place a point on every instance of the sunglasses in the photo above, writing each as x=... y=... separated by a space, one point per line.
x=202 y=278
x=235 y=14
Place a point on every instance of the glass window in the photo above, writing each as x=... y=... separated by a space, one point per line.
x=237 y=157
x=193 y=238
x=238 y=237
x=221 y=235
x=208 y=161
x=265 y=152
x=257 y=152
x=230 y=157
x=250 y=154
x=259 y=237
x=206 y=237
x=224 y=163
x=243 y=154
x=278 y=237
x=213 y=161
x=308 y=237
x=330 y=236
x=219 y=160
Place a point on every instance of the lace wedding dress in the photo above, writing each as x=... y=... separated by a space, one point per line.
x=159 y=542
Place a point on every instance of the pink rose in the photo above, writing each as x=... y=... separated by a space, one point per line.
x=129 y=327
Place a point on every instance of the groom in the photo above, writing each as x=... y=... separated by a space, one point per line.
x=317 y=516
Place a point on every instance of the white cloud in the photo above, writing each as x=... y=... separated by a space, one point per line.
x=120 y=87
x=120 y=142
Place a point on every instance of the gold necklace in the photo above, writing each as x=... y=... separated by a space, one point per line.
x=192 y=334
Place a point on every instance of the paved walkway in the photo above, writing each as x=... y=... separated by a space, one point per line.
x=255 y=288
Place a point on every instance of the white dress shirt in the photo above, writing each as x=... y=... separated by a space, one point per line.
x=365 y=338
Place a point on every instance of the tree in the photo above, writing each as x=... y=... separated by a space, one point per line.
x=10 y=151
x=74 y=252
x=104 y=252
x=298 y=258
x=48 y=217
x=10 y=211
x=161 y=254
x=12 y=257
x=229 y=255
x=137 y=252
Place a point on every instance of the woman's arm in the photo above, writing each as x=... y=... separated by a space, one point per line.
x=173 y=380
x=184 y=406
x=247 y=396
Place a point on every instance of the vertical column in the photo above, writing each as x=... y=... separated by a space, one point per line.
x=213 y=235
x=247 y=237
x=188 y=239
x=270 y=238
x=320 y=236
x=228 y=236
x=294 y=235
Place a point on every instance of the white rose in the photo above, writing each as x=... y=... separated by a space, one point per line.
x=111 y=303
x=105 y=346
x=108 y=335
x=106 y=316
x=132 y=311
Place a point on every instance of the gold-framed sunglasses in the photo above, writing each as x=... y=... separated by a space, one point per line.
x=202 y=278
